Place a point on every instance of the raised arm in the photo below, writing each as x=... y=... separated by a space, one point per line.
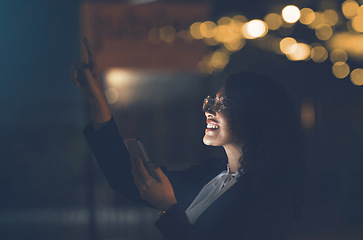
x=108 y=146
x=102 y=133
x=86 y=76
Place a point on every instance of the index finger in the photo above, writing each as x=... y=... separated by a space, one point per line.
x=91 y=58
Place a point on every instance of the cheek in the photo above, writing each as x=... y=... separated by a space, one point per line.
x=226 y=133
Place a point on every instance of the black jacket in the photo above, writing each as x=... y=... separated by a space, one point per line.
x=240 y=213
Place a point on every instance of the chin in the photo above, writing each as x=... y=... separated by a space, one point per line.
x=209 y=142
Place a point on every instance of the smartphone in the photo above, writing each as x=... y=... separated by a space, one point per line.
x=135 y=147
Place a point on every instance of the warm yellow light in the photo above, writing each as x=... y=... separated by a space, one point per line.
x=117 y=77
x=235 y=44
x=341 y=69
x=273 y=20
x=318 y=20
x=235 y=29
x=291 y=14
x=356 y=76
x=307 y=113
x=319 y=54
x=323 y=32
x=307 y=16
x=223 y=34
x=360 y=10
x=205 y=67
x=111 y=95
x=208 y=29
x=331 y=17
x=240 y=18
x=302 y=52
x=254 y=29
x=195 y=30
x=219 y=60
x=224 y=21
x=352 y=43
x=350 y=8
x=357 y=23
x=210 y=41
x=116 y=81
x=288 y=45
x=167 y=34
x=185 y=35
x=338 y=55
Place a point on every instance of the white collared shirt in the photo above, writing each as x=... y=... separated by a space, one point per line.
x=210 y=192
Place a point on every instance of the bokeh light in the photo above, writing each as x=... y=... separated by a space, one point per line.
x=219 y=60
x=230 y=33
x=167 y=34
x=356 y=76
x=205 y=67
x=195 y=30
x=338 y=55
x=323 y=32
x=273 y=21
x=302 y=52
x=224 y=21
x=307 y=113
x=223 y=34
x=254 y=29
x=331 y=17
x=235 y=29
x=307 y=16
x=208 y=29
x=288 y=45
x=352 y=43
x=235 y=44
x=357 y=21
x=240 y=18
x=185 y=35
x=210 y=41
x=318 y=20
x=117 y=77
x=319 y=54
x=291 y=14
x=340 y=69
x=350 y=8
x=112 y=95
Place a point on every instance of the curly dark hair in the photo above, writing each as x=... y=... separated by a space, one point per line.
x=263 y=117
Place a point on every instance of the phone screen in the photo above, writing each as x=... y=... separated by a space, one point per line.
x=135 y=147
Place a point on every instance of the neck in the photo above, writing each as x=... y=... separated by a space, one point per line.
x=234 y=154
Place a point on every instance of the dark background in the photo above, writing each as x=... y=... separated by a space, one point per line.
x=50 y=185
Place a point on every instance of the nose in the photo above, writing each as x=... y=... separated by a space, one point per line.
x=209 y=113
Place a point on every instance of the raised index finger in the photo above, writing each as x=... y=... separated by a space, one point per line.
x=91 y=58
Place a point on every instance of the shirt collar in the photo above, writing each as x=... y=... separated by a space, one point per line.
x=235 y=174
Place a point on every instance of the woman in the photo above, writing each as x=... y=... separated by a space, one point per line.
x=254 y=194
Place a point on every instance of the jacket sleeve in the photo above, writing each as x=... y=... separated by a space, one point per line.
x=174 y=225
x=113 y=159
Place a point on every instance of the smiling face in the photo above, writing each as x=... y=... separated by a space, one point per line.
x=217 y=132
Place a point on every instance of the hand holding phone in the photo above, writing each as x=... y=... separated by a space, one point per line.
x=135 y=147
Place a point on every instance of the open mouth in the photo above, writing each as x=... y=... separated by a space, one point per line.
x=212 y=125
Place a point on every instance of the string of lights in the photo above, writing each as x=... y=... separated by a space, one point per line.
x=338 y=32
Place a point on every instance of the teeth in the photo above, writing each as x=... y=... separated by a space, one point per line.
x=212 y=126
